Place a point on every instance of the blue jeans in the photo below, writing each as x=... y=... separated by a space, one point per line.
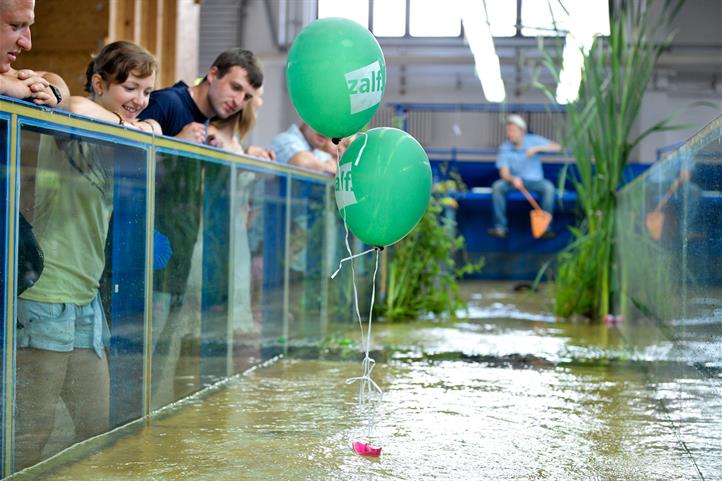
x=498 y=196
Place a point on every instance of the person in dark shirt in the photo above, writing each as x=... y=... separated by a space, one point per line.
x=183 y=112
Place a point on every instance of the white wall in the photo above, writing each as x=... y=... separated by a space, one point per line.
x=457 y=84
x=693 y=111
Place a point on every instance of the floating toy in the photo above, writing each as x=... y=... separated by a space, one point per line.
x=363 y=449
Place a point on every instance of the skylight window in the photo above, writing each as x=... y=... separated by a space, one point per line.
x=442 y=18
x=545 y=17
x=355 y=10
x=389 y=18
x=502 y=17
x=427 y=18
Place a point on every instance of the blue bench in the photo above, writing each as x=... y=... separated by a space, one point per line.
x=519 y=256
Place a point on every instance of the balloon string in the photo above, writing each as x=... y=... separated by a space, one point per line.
x=346 y=259
x=373 y=299
x=353 y=273
x=360 y=152
x=351 y=256
x=368 y=386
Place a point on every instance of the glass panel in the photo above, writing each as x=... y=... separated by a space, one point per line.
x=216 y=251
x=427 y=20
x=177 y=285
x=306 y=282
x=389 y=18
x=226 y=251
x=670 y=229
x=123 y=285
x=247 y=258
x=92 y=284
x=274 y=191
x=356 y=10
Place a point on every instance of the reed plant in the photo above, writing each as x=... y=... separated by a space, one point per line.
x=600 y=135
x=424 y=274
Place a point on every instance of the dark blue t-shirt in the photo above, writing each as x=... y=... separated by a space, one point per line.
x=173 y=108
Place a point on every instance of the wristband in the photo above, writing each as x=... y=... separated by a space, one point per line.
x=56 y=92
x=120 y=119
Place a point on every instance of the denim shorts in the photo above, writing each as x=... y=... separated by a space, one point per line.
x=61 y=327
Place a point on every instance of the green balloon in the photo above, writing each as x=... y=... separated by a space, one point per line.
x=383 y=185
x=336 y=76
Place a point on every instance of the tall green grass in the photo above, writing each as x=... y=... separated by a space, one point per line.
x=599 y=133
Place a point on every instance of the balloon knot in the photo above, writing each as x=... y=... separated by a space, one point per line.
x=379 y=248
x=335 y=141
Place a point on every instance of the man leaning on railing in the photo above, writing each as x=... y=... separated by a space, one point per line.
x=42 y=88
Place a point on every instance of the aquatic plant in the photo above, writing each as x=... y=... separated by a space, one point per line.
x=423 y=272
x=599 y=133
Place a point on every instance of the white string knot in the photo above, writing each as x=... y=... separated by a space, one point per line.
x=351 y=257
x=368 y=386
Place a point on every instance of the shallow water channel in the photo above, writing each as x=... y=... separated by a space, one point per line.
x=506 y=394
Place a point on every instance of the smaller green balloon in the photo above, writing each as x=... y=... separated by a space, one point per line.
x=383 y=185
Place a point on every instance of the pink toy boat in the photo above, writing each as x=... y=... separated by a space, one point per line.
x=363 y=449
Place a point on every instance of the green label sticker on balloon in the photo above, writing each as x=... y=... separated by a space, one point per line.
x=344 y=186
x=365 y=87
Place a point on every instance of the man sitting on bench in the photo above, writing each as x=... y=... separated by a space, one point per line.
x=520 y=166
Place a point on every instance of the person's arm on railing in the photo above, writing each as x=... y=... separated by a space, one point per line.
x=309 y=161
x=85 y=106
x=42 y=88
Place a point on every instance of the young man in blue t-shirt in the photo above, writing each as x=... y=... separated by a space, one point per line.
x=183 y=112
x=520 y=166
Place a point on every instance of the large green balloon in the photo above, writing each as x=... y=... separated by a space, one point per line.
x=383 y=185
x=336 y=76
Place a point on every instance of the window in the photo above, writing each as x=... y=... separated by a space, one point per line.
x=389 y=18
x=559 y=17
x=428 y=19
x=544 y=18
x=355 y=10
x=502 y=17
x=442 y=18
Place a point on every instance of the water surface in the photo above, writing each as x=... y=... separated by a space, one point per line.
x=507 y=394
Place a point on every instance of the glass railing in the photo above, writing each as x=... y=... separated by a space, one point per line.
x=212 y=263
x=670 y=285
